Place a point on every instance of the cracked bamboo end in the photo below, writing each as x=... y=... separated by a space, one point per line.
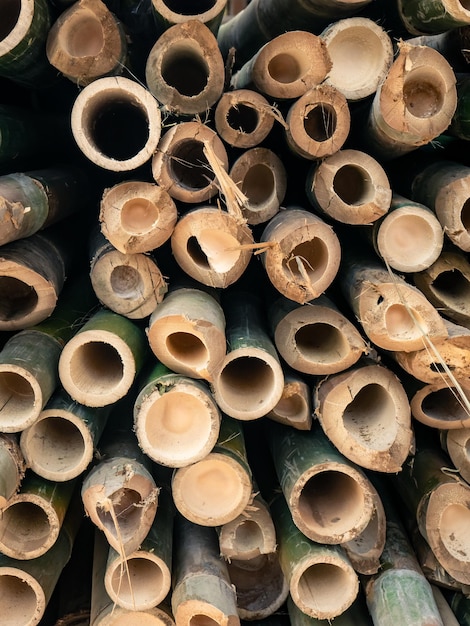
x=243 y=118
x=295 y=406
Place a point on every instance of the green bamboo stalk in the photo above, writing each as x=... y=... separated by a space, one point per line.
x=12 y=467
x=356 y=615
x=433 y=16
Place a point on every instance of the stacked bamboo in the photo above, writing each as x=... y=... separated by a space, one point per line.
x=234 y=312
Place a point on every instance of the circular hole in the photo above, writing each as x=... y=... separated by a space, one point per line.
x=196 y=7
x=284 y=68
x=19 y=602
x=83 y=36
x=444 y=405
x=258 y=184
x=353 y=185
x=189 y=166
x=243 y=118
x=9 y=14
x=137 y=582
x=321 y=343
x=320 y=122
x=95 y=367
x=202 y=620
x=402 y=324
x=17 y=398
x=185 y=72
x=187 y=348
x=120 y=120
x=139 y=215
x=307 y=261
x=126 y=282
x=55 y=445
x=322 y=587
x=465 y=215
x=128 y=509
x=246 y=382
x=454 y=524
x=17 y=299
x=24 y=527
x=422 y=95
x=248 y=536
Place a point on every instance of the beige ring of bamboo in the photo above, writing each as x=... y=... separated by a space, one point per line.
x=118 y=616
x=21 y=398
x=295 y=406
x=110 y=103
x=439 y=405
x=23 y=598
x=457 y=444
x=177 y=11
x=17 y=18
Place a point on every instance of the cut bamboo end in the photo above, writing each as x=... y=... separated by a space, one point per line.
x=457 y=445
x=194 y=612
x=180 y=166
x=213 y=491
x=21 y=397
x=118 y=616
x=261 y=176
x=304 y=256
x=361 y=54
x=243 y=118
x=212 y=246
x=136 y=216
x=318 y=123
x=86 y=42
x=176 y=421
x=365 y=412
x=186 y=49
x=350 y=186
x=112 y=103
x=23 y=598
x=186 y=332
x=17 y=18
x=209 y=12
x=295 y=406
x=442 y=406
x=12 y=467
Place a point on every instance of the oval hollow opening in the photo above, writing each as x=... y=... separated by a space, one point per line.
x=17 y=398
x=454 y=525
x=243 y=118
x=214 y=250
x=465 y=215
x=19 y=601
x=202 y=620
x=291 y=406
x=118 y=118
x=56 y=445
x=96 y=367
x=127 y=505
x=185 y=71
x=307 y=262
x=331 y=503
x=371 y=417
x=444 y=405
x=258 y=184
x=17 y=299
x=423 y=92
x=189 y=166
x=137 y=582
x=83 y=36
x=248 y=536
x=322 y=588
x=187 y=348
x=284 y=68
x=403 y=322
x=196 y=7
x=320 y=122
x=410 y=236
x=24 y=527
x=139 y=215
x=353 y=185
x=246 y=382
x=126 y=282
x=9 y=14
x=452 y=286
x=321 y=343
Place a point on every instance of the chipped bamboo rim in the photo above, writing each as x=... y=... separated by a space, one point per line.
x=295 y=406
x=243 y=118
x=439 y=405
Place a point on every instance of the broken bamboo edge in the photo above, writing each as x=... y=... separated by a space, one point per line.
x=186 y=332
x=434 y=17
x=216 y=489
x=315 y=338
x=31 y=520
x=322 y=582
x=131 y=285
x=318 y=123
x=243 y=118
x=176 y=420
x=12 y=467
x=100 y=362
x=302 y=255
x=456 y=443
x=295 y=406
x=365 y=41
x=212 y=246
x=137 y=216
x=249 y=381
x=87 y=42
x=365 y=412
x=349 y=186
x=187 y=49
x=330 y=498
x=285 y=67
x=209 y=13
x=111 y=103
x=61 y=443
x=202 y=591
x=409 y=237
x=442 y=405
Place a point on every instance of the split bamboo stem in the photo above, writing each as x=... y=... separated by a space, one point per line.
x=98 y=365
x=112 y=104
x=315 y=338
x=322 y=582
x=441 y=405
x=349 y=186
x=216 y=489
x=170 y=12
x=60 y=444
x=202 y=592
x=87 y=42
x=361 y=54
x=176 y=420
x=365 y=412
x=302 y=254
x=249 y=381
x=285 y=67
x=31 y=520
x=12 y=467
x=329 y=497
x=433 y=17
x=185 y=70
x=456 y=443
x=295 y=406
x=186 y=332
x=137 y=216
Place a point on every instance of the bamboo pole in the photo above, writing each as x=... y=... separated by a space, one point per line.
x=87 y=42
x=168 y=13
x=176 y=420
x=295 y=406
x=137 y=216
x=349 y=186
x=422 y=16
x=185 y=69
x=12 y=467
x=441 y=405
x=456 y=442
x=186 y=332
x=302 y=254
x=459 y=125
x=60 y=444
x=216 y=489
x=110 y=104
x=356 y=615
x=446 y=613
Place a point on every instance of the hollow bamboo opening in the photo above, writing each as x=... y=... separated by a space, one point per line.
x=17 y=298
x=404 y=322
x=258 y=184
x=137 y=583
x=322 y=588
x=308 y=260
x=214 y=250
x=139 y=215
x=184 y=70
x=443 y=406
x=21 y=601
x=452 y=287
x=95 y=367
x=83 y=36
x=353 y=185
x=287 y=68
x=126 y=506
x=25 y=530
x=465 y=215
x=320 y=122
x=423 y=92
x=187 y=348
x=454 y=524
x=17 y=399
x=243 y=118
x=249 y=536
x=195 y=8
x=322 y=343
x=291 y=407
x=246 y=381
x=202 y=620
x=189 y=166
x=9 y=15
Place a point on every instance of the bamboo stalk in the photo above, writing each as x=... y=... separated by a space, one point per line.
x=168 y=13
x=176 y=420
x=459 y=125
x=136 y=216
x=437 y=16
x=356 y=615
x=12 y=467
x=185 y=69
x=216 y=489
x=116 y=103
x=456 y=442
x=446 y=613
x=186 y=332
x=349 y=186
x=295 y=406
x=303 y=255
x=441 y=405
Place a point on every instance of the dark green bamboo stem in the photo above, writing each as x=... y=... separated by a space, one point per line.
x=433 y=16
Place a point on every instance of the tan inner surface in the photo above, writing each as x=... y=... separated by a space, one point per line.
x=82 y=36
x=127 y=510
x=287 y=67
x=423 y=92
x=249 y=536
x=258 y=184
x=444 y=406
x=404 y=322
x=245 y=382
x=324 y=588
x=19 y=601
x=17 y=398
x=96 y=367
x=220 y=250
x=292 y=406
x=139 y=215
x=24 y=527
x=187 y=348
x=454 y=525
x=307 y=262
x=321 y=342
x=138 y=582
